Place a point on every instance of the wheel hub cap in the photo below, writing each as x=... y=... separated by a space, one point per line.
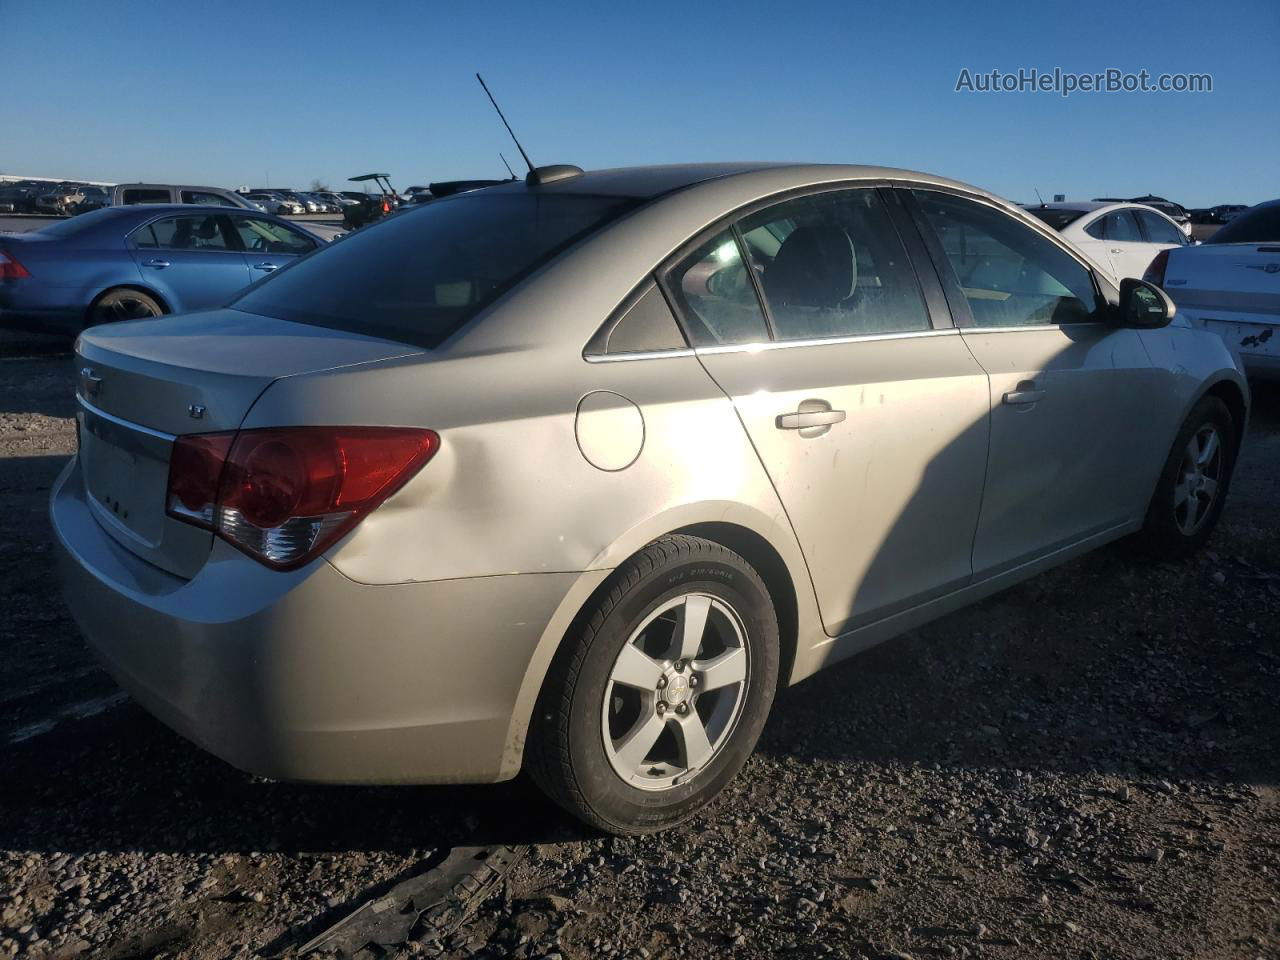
x=676 y=692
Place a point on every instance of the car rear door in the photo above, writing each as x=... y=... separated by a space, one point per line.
x=862 y=401
x=192 y=260
x=269 y=244
x=1071 y=452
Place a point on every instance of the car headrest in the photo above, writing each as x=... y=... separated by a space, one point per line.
x=814 y=267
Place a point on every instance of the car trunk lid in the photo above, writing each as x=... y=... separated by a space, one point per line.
x=1227 y=278
x=141 y=384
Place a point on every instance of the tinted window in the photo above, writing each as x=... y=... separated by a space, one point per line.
x=146 y=196
x=418 y=276
x=1010 y=275
x=1054 y=217
x=1120 y=226
x=199 y=196
x=832 y=265
x=184 y=233
x=1255 y=225
x=1160 y=230
x=714 y=291
x=267 y=236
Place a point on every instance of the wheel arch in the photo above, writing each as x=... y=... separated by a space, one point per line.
x=1234 y=396
x=140 y=288
x=780 y=564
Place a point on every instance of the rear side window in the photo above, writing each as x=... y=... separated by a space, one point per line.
x=146 y=196
x=832 y=265
x=203 y=198
x=201 y=232
x=419 y=275
x=1117 y=225
x=714 y=292
x=1160 y=230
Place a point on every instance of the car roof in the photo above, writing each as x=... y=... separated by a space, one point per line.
x=650 y=182
x=1083 y=205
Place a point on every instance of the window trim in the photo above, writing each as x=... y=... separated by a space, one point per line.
x=951 y=283
x=226 y=229
x=729 y=221
x=596 y=350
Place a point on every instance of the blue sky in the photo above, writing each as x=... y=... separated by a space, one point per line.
x=231 y=93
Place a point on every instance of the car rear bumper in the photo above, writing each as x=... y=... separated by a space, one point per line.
x=1256 y=340
x=308 y=675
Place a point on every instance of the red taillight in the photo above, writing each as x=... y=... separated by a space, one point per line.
x=10 y=268
x=283 y=495
x=1155 y=271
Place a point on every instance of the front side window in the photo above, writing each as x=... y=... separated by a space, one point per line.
x=1160 y=230
x=832 y=265
x=419 y=276
x=203 y=232
x=1010 y=275
x=714 y=291
x=266 y=236
x=146 y=196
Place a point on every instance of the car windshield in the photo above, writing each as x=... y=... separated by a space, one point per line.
x=1255 y=225
x=1054 y=217
x=420 y=275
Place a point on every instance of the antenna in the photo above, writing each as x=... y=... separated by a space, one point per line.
x=527 y=161
x=1038 y=197
x=507 y=165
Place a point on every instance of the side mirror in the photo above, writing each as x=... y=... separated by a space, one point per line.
x=1143 y=305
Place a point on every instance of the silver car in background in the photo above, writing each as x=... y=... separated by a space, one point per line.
x=573 y=474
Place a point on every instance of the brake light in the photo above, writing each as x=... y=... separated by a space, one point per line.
x=284 y=495
x=10 y=268
x=1155 y=271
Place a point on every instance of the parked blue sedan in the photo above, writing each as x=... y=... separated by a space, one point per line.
x=122 y=263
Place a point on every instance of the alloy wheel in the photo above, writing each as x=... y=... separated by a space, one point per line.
x=676 y=692
x=1199 y=476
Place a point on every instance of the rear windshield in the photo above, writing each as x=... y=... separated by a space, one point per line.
x=86 y=221
x=419 y=275
x=1255 y=225
x=1056 y=218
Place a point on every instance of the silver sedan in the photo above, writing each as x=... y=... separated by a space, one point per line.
x=574 y=474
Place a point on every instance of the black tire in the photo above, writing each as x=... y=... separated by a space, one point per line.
x=123 y=303
x=1165 y=534
x=567 y=756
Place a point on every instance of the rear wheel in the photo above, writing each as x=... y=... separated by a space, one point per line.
x=123 y=303
x=1193 y=485
x=658 y=701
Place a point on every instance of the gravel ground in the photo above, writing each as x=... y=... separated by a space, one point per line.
x=1083 y=766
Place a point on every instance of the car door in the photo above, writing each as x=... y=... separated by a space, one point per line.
x=269 y=244
x=192 y=260
x=870 y=420
x=1071 y=451
x=1115 y=241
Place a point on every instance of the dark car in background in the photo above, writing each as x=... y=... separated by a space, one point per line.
x=142 y=260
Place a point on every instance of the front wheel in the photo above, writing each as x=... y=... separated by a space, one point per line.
x=655 y=705
x=1193 y=485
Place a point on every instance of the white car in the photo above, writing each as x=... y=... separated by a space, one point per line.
x=1231 y=284
x=274 y=203
x=1121 y=238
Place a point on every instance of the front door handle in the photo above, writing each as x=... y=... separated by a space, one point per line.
x=802 y=419
x=1026 y=392
x=158 y=264
x=268 y=267
x=1117 y=250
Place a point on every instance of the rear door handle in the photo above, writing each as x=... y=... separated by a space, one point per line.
x=812 y=418
x=268 y=267
x=1026 y=392
x=158 y=264
x=1117 y=249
